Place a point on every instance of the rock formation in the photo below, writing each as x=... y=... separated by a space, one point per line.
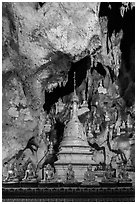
x=43 y=44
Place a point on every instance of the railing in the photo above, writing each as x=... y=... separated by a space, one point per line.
x=69 y=193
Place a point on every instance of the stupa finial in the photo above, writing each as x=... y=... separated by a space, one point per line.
x=75 y=101
x=75 y=83
x=75 y=97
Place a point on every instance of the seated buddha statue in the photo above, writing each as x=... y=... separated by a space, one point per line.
x=108 y=176
x=123 y=175
x=48 y=173
x=70 y=174
x=12 y=174
x=4 y=171
x=89 y=176
x=30 y=175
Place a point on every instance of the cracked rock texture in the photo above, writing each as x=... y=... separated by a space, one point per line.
x=31 y=37
x=64 y=27
x=18 y=123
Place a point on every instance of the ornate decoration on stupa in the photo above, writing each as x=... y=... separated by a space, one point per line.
x=74 y=126
x=74 y=148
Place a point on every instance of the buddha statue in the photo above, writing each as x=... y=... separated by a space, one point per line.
x=30 y=175
x=97 y=130
x=123 y=176
x=70 y=175
x=123 y=126
x=47 y=126
x=51 y=149
x=129 y=122
x=109 y=175
x=84 y=107
x=118 y=131
x=4 y=171
x=59 y=106
x=101 y=89
x=48 y=173
x=90 y=136
x=89 y=176
x=107 y=119
x=12 y=174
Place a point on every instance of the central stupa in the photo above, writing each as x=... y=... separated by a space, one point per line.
x=74 y=148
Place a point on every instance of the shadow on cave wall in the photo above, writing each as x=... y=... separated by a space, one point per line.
x=127 y=24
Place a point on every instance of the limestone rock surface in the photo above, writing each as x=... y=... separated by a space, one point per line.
x=65 y=27
x=35 y=42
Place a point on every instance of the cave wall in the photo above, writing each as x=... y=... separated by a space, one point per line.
x=42 y=46
x=39 y=44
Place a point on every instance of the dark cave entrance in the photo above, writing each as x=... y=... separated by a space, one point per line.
x=80 y=68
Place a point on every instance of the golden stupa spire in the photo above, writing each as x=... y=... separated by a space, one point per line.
x=74 y=128
x=75 y=97
x=75 y=82
x=75 y=100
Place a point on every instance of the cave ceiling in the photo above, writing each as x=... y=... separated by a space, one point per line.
x=43 y=44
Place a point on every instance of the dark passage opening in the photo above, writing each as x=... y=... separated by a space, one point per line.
x=80 y=68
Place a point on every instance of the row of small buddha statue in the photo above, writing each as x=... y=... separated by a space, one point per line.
x=125 y=126
x=90 y=176
x=13 y=176
x=50 y=176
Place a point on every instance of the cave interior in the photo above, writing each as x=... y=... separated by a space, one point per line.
x=36 y=100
